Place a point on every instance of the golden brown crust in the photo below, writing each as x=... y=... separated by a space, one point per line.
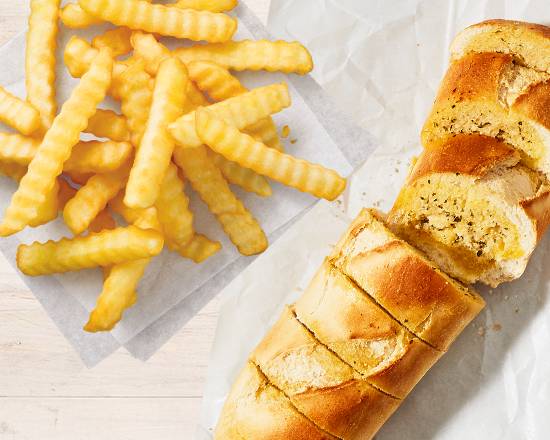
x=474 y=76
x=538 y=210
x=255 y=409
x=536 y=28
x=471 y=154
x=535 y=103
x=351 y=324
x=400 y=279
x=322 y=387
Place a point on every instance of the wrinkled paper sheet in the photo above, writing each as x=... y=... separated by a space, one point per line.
x=175 y=289
x=384 y=59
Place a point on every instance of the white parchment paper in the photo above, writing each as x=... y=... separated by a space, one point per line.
x=384 y=59
x=174 y=289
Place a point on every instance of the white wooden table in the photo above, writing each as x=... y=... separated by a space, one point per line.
x=45 y=391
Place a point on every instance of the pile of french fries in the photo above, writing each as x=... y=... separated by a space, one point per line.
x=184 y=119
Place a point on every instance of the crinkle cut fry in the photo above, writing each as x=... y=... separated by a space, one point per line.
x=110 y=125
x=173 y=210
x=206 y=5
x=57 y=144
x=92 y=198
x=118 y=40
x=156 y=146
x=245 y=150
x=240 y=111
x=206 y=179
x=18 y=114
x=163 y=20
x=220 y=85
x=40 y=58
x=97 y=249
x=273 y=56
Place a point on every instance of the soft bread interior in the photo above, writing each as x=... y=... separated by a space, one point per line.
x=473 y=227
x=528 y=43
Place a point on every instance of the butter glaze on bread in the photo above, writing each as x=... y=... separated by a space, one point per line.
x=430 y=304
x=468 y=205
x=353 y=326
x=529 y=43
x=255 y=409
x=322 y=387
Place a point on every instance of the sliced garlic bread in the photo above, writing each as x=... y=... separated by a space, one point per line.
x=255 y=409
x=323 y=388
x=490 y=94
x=430 y=304
x=472 y=209
x=529 y=43
x=352 y=325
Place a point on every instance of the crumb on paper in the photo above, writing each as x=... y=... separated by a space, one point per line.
x=285 y=131
x=293 y=141
x=481 y=330
x=516 y=310
x=490 y=291
x=497 y=327
x=505 y=297
x=396 y=170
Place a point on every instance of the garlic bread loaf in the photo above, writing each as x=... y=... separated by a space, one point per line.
x=320 y=385
x=255 y=409
x=490 y=94
x=529 y=43
x=362 y=334
x=473 y=209
x=426 y=301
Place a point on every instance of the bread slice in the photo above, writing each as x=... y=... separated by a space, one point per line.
x=469 y=206
x=255 y=409
x=353 y=326
x=490 y=94
x=529 y=43
x=430 y=304
x=323 y=388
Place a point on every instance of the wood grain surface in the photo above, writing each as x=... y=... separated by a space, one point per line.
x=45 y=391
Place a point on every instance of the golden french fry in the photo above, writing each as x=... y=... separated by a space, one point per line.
x=243 y=177
x=13 y=170
x=200 y=248
x=150 y=50
x=136 y=98
x=240 y=111
x=206 y=5
x=73 y=16
x=273 y=56
x=103 y=221
x=110 y=125
x=66 y=192
x=15 y=148
x=92 y=198
x=86 y=157
x=215 y=80
x=80 y=178
x=98 y=157
x=173 y=210
x=78 y=56
x=163 y=20
x=118 y=40
x=156 y=147
x=245 y=150
x=48 y=210
x=57 y=144
x=220 y=85
x=18 y=114
x=119 y=288
x=97 y=249
x=206 y=179
x=40 y=58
